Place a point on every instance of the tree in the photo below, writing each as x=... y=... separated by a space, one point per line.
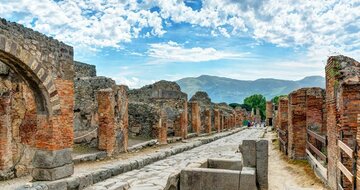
x=275 y=100
x=234 y=105
x=257 y=101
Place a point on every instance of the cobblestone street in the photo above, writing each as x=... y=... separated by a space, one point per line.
x=155 y=176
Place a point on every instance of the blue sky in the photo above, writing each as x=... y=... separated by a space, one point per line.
x=138 y=42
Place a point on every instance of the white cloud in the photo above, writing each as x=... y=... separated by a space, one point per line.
x=174 y=52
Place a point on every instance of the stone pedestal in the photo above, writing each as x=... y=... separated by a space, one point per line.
x=52 y=165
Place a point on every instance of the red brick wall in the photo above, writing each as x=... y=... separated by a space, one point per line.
x=55 y=132
x=283 y=118
x=342 y=104
x=297 y=124
x=315 y=100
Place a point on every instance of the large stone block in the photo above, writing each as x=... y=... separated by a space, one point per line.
x=44 y=174
x=233 y=164
x=248 y=151
x=47 y=159
x=262 y=159
x=248 y=179
x=209 y=179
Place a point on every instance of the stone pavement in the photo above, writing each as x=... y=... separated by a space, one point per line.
x=155 y=176
x=90 y=173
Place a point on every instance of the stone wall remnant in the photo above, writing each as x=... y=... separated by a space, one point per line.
x=46 y=66
x=297 y=124
x=342 y=112
x=84 y=70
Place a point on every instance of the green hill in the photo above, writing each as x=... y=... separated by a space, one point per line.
x=221 y=89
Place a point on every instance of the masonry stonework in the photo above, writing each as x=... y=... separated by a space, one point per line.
x=297 y=124
x=45 y=65
x=342 y=107
x=283 y=123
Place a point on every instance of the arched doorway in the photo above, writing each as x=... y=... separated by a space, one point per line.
x=45 y=65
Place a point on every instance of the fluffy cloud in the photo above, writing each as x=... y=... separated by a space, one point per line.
x=92 y=23
x=174 y=52
x=323 y=26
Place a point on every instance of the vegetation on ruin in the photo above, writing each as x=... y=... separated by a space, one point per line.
x=275 y=100
x=244 y=106
x=335 y=73
x=257 y=101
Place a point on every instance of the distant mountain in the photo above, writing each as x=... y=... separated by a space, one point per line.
x=221 y=89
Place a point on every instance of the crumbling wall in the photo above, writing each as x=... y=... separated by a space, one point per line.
x=86 y=119
x=162 y=96
x=18 y=124
x=84 y=70
x=342 y=107
x=204 y=103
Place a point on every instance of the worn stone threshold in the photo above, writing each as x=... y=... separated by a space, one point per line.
x=82 y=180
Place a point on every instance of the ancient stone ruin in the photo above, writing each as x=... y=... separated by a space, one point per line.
x=321 y=125
x=55 y=111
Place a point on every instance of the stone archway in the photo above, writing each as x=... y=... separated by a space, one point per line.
x=46 y=65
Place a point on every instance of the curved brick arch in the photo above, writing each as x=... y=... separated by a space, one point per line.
x=46 y=65
x=39 y=80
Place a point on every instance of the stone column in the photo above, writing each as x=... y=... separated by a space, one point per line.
x=297 y=124
x=222 y=122
x=195 y=118
x=217 y=120
x=106 y=131
x=208 y=121
x=5 y=136
x=162 y=137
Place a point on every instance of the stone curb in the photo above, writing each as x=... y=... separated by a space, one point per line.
x=92 y=177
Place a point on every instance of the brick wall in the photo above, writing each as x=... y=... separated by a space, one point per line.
x=113 y=121
x=297 y=124
x=269 y=113
x=342 y=109
x=283 y=120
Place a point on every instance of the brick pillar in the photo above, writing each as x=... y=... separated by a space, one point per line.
x=222 y=122
x=208 y=121
x=5 y=136
x=54 y=137
x=269 y=113
x=297 y=124
x=217 y=120
x=162 y=132
x=283 y=120
x=195 y=118
x=106 y=112
x=315 y=99
x=342 y=113
x=180 y=126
